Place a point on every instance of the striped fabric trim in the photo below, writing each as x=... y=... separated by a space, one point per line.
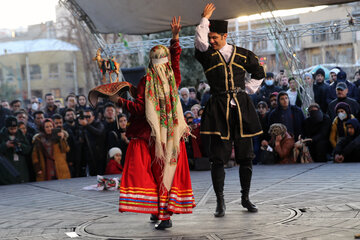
x=141 y=200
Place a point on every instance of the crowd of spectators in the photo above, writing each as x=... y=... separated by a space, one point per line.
x=43 y=140
x=313 y=133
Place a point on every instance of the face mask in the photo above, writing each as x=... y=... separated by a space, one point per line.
x=34 y=106
x=342 y=116
x=316 y=115
x=269 y=82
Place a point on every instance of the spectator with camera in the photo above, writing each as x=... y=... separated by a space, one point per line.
x=14 y=147
x=4 y=113
x=91 y=141
x=49 y=153
x=22 y=116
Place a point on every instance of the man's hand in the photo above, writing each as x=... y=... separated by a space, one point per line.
x=175 y=27
x=61 y=135
x=208 y=10
x=10 y=144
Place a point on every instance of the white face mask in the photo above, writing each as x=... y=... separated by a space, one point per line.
x=34 y=106
x=269 y=82
x=342 y=116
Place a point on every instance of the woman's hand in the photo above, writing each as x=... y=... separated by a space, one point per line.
x=175 y=27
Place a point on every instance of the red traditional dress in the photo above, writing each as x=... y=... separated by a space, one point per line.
x=156 y=177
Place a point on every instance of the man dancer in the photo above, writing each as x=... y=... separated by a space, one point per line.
x=229 y=115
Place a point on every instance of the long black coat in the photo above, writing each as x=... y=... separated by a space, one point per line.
x=226 y=77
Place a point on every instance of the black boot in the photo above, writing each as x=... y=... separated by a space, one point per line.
x=218 y=177
x=220 y=206
x=164 y=224
x=154 y=218
x=245 y=180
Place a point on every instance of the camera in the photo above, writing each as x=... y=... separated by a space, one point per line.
x=17 y=147
x=54 y=134
x=80 y=115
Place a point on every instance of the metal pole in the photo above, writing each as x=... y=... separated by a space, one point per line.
x=28 y=76
x=250 y=42
x=75 y=75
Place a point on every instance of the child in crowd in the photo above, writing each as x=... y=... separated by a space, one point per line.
x=114 y=165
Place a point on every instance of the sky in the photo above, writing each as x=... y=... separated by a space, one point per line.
x=21 y=13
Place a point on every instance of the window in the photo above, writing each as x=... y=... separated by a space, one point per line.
x=56 y=92
x=35 y=72
x=69 y=71
x=10 y=76
x=331 y=34
x=316 y=59
x=53 y=71
x=329 y=57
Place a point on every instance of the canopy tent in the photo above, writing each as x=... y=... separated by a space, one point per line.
x=151 y=16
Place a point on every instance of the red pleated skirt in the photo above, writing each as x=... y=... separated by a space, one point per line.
x=141 y=188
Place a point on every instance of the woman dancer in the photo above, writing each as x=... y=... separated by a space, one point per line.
x=156 y=176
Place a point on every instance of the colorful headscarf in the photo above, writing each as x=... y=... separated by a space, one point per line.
x=163 y=111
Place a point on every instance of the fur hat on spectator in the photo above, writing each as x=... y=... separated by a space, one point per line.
x=343 y=105
x=114 y=151
x=277 y=129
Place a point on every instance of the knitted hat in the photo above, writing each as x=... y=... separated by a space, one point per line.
x=345 y=106
x=320 y=71
x=335 y=70
x=114 y=151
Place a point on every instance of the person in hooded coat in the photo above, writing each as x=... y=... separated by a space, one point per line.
x=317 y=127
x=338 y=127
x=291 y=116
x=348 y=149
